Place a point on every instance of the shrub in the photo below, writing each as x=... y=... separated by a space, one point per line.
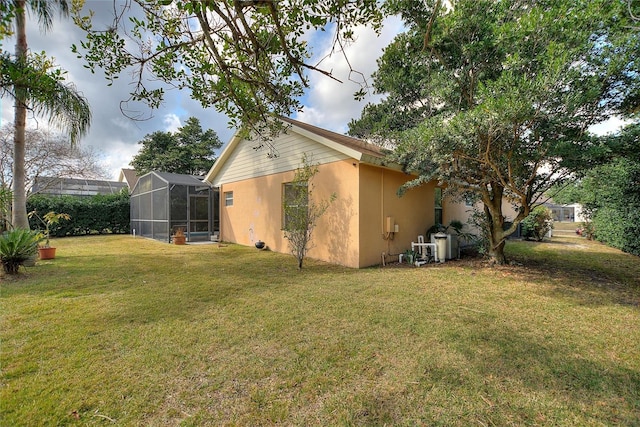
x=479 y=221
x=537 y=224
x=618 y=228
x=301 y=211
x=101 y=214
x=17 y=246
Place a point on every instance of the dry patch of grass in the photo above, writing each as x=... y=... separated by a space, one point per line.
x=129 y=331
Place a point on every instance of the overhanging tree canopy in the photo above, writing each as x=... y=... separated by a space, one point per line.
x=247 y=58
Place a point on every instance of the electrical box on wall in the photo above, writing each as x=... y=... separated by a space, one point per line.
x=390 y=228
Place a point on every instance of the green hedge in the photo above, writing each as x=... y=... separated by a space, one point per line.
x=101 y=214
x=618 y=228
x=615 y=190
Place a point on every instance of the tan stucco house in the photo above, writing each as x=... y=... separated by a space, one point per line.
x=367 y=218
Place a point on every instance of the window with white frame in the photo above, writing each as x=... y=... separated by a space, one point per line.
x=228 y=198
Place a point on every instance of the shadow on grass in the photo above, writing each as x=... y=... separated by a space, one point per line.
x=507 y=362
x=483 y=369
x=589 y=272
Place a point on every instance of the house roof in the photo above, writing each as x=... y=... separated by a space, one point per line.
x=348 y=146
x=347 y=141
x=129 y=176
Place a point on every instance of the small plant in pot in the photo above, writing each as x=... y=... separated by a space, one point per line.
x=49 y=219
x=179 y=238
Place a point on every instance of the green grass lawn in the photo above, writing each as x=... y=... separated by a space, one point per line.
x=124 y=331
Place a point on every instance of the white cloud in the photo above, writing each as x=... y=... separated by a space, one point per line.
x=118 y=157
x=171 y=122
x=112 y=134
x=331 y=104
x=613 y=125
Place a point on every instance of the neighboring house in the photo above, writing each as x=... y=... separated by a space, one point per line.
x=463 y=211
x=79 y=187
x=367 y=220
x=566 y=213
x=128 y=176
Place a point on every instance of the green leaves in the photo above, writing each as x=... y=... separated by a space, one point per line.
x=248 y=59
x=501 y=94
x=43 y=86
x=93 y=215
x=17 y=246
x=301 y=210
x=537 y=224
x=610 y=191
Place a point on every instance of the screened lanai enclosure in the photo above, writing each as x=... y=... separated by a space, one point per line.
x=162 y=203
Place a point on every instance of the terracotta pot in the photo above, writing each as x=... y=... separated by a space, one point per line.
x=47 y=253
x=179 y=240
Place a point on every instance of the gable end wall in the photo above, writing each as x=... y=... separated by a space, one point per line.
x=248 y=162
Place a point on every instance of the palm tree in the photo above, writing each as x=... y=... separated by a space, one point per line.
x=40 y=90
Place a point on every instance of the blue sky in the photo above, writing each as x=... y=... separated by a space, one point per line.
x=327 y=104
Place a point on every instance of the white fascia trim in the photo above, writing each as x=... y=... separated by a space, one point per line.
x=220 y=161
x=355 y=154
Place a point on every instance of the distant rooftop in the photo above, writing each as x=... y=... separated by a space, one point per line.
x=129 y=176
x=75 y=186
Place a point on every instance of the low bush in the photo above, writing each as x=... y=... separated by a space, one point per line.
x=17 y=246
x=537 y=224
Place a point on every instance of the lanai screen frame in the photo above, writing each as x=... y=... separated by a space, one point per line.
x=163 y=202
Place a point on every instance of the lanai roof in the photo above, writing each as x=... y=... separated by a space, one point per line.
x=176 y=178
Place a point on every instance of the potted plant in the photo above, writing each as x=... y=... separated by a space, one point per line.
x=179 y=238
x=51 y=218
x=16 y=247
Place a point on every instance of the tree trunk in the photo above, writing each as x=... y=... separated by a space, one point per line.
x=496 y=250
x=19 y=212
x=495 y=222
